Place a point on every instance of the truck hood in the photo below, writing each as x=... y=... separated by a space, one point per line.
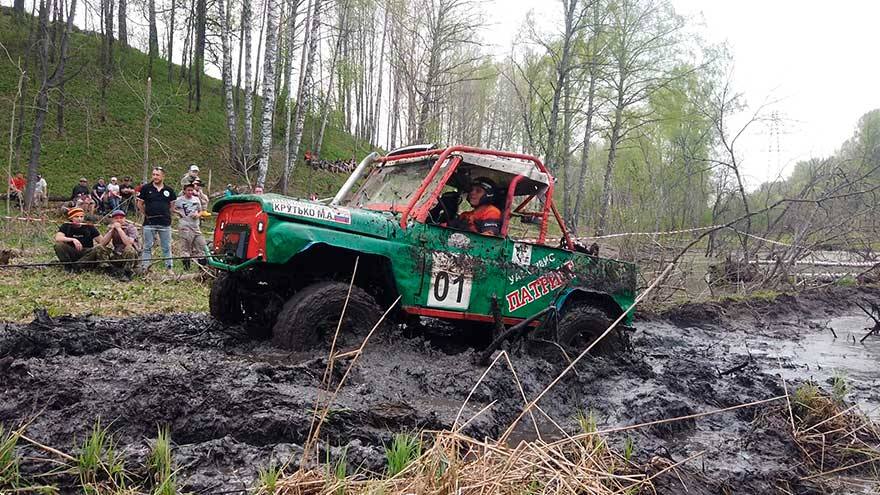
x=367 y=222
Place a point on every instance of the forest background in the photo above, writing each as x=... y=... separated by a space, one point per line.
x=636 y=115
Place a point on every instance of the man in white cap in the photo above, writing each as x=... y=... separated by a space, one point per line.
x=190 y=176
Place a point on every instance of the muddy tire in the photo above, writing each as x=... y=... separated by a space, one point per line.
x=225 y=300
x=580 y=325
x=309 y=318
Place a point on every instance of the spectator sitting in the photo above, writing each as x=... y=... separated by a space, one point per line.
x=75 y=241
x=120 y=245
x=41 y=192
x=16 y=187
x=127 y=193
x=113 y=196
x=81 y=188
x=190 y=176
x=99 y=195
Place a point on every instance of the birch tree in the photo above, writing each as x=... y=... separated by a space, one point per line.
x=247 y=27
x=227 y=84
x=305 y=82
x=268 y=92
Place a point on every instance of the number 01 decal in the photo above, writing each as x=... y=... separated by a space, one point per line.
x=451 y=281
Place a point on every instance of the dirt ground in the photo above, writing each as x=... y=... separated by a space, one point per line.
x=233 y=404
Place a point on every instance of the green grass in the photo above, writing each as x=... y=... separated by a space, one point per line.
x=161 y=464
x=9 y=461
x=268 y=479
x=98 y=461
x=179 y=136
x=404 y=449
x=22 y=290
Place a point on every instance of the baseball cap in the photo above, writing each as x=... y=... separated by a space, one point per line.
x=117 y=213
x=193 y=168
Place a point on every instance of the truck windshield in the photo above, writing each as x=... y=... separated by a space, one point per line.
x=391 y=187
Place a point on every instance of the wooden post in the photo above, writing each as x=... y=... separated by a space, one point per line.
x=147 y=116
x=208 y=190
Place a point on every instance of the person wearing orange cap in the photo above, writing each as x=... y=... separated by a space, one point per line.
x=75 y=240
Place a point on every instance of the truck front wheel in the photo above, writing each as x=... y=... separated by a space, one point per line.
x=310 y=317
x=581 y=324
x=225 y=300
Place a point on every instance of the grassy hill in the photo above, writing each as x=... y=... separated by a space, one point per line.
x=178 y=136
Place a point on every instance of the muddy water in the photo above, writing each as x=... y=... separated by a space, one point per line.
x=233 y=404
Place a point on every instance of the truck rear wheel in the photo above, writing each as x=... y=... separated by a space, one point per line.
x=225 y=300
x=309 y=318
x=581 y=324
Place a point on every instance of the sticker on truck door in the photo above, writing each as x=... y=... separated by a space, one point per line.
x=451 y=281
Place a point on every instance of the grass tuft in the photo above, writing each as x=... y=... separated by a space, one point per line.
x=161 y=464
x=9 y=461
x=404 y=449
x=268 y=478
x=98 y=461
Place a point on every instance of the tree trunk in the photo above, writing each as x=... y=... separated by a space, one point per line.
x=106 y=57
x=325 y=111
x=585 y=157
x=268 y=93
x=123 y=23
x=48 y=82
x=609 y=166
x=246 y=19
x=566 y=155
x=227 y=86
x=148 y=115
x=171 y=43
x=375 y=119
x=153 y=50
x=201 y=19
x=305 y=82
x=561 y=75
x=288 y=69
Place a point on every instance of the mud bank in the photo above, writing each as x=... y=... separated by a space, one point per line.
x=233 y=404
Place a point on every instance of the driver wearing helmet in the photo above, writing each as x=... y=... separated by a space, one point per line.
x=485 y=218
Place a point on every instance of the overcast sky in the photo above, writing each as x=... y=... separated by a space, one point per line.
x=818 y=60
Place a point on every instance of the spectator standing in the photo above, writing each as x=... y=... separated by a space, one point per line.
x=190 y=176
x=75 y=240
x=120 y=245
x=189 y=207
x=99 y=195
x=113 y=196
x=230 y=191
x=41 y=192
x=154 y=201
x=199 y=193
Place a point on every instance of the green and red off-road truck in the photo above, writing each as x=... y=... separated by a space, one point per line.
x=286 y=263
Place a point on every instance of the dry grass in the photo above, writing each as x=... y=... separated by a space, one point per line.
x=456 y=463
x=832 y=435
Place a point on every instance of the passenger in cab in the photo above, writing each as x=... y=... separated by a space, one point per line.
x=485 y=218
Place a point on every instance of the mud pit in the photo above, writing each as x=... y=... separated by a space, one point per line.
x=233 y=404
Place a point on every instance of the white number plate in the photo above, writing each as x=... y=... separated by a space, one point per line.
x=451 y=281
